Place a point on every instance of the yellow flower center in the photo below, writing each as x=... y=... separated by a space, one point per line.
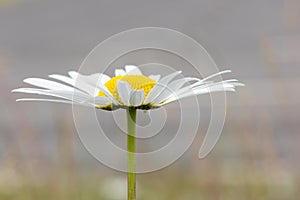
x=137 y=82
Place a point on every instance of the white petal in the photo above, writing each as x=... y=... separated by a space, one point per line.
x=204 y=81
x=70 y=95
x=198 y=84
x=62 y=78
x=108 y=94
x=73 y=74
x=43 y=83
x=165 y=80
x=206 y=91
x=88 y=84
x=82 y=83
x=99 y=101
x=155 y=77
x=67 y=80
x=177 y=84
x=120 y=72
x=224 y=87
x=220 y=84
x=160 y=86
x=102 y=101
x=124 y=91
x=216 y=74
x=95 y=79
x=132 y=70
x=92 y=79
x=238 y=84
x=172 y=88
x=136 y=97
x=48 y=100
x=55 y=101
x=202 y=90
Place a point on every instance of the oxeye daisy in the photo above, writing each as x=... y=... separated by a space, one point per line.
x=128 y=89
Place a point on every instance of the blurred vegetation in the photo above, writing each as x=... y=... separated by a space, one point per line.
x=172 y=184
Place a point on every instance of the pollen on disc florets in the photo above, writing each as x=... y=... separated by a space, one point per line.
x=136 y=82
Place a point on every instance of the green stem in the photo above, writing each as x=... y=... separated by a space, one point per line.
x=131 y=127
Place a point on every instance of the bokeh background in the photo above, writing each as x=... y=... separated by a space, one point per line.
x=257 y=157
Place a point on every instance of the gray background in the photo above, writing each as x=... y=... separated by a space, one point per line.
x=257 y=156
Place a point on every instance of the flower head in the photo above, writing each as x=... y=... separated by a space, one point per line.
x=128 y=88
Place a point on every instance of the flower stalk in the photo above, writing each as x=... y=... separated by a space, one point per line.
x=131 y=129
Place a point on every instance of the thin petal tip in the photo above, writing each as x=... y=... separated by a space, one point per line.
x=15 y=90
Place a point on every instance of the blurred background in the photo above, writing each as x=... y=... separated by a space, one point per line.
x=41 y=156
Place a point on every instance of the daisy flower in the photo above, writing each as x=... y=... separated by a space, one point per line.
x=128 y=88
